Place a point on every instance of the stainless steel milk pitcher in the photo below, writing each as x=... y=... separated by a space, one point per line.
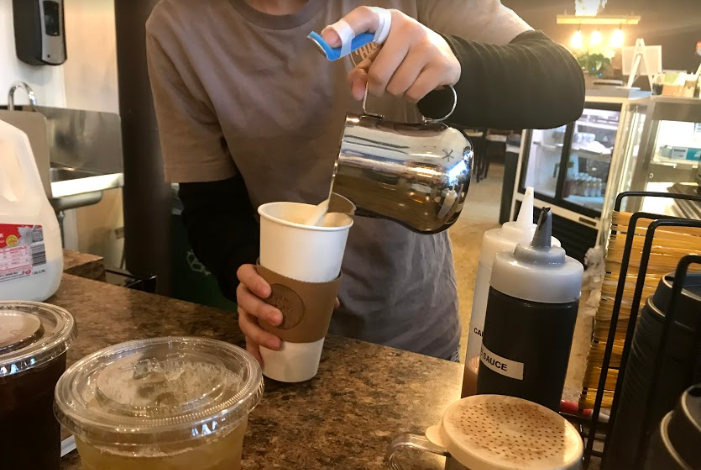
x=415 y=174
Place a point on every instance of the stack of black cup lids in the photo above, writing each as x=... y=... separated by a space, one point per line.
x=676 y=445
x=678 y=365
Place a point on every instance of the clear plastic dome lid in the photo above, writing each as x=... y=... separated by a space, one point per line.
x=159 y=391
x=32 y=334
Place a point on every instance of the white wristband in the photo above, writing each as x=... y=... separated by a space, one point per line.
x=345 y=32
x=384 y=24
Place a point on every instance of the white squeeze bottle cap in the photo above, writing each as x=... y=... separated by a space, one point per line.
x=538 y=271
x=506 y=237
x=497 y=240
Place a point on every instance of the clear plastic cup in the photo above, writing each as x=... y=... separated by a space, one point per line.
x=34 y=338
x=163 y=403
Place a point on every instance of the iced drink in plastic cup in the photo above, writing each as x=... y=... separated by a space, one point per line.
x=160 y=404
x=34 y=338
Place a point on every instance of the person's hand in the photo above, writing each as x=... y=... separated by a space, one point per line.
x=412 y=62
x=250 y=293
x=249 y=296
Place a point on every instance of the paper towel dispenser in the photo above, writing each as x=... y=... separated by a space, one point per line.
x=40 y=35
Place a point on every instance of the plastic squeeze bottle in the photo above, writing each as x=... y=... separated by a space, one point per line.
x=497 y=240
x=531 y=312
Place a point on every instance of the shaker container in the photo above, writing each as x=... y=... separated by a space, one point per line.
x=34 y=338
x=165 y=403
x=496 y=432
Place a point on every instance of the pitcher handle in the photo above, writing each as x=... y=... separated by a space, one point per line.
x=426 y=120
x=412 y=441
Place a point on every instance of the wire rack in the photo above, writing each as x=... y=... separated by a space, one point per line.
x=597 y=434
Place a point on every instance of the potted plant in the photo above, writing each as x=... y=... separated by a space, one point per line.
x=594 y=65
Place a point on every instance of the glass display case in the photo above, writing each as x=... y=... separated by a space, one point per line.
x=543 y=162
x=569 y=169
x=663 y=154
x=589 y=159
x=618 y=144
x=569 y=166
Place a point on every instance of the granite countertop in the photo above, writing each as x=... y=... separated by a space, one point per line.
x=344 y=418
x=83 y=265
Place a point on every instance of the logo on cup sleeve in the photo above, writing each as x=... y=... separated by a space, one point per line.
x=289 y=303
x=363 y=53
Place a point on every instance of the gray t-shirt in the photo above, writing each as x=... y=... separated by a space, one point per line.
x=239 y=91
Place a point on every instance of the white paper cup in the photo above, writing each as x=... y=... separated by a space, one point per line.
x=305 y=253
x=295 y=362
x=302 y=252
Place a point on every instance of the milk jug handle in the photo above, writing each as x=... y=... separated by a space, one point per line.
x=415 y=442
x=425 y=119
x=19 y=143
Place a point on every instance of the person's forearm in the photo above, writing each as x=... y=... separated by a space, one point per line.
x=531 y=82
x=222 y=229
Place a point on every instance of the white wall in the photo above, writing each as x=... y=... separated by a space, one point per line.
x=88 y=80
x=90 y=73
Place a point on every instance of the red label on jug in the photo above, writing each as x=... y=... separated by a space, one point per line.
x=22 y=251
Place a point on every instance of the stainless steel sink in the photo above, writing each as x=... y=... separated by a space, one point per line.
x=57 y=175
x=78 y=153
x=66 y=181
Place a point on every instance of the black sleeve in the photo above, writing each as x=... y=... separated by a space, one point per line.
x=532 y=82
x=221 y=227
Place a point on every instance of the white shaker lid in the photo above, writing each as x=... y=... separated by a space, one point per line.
x=496 y=432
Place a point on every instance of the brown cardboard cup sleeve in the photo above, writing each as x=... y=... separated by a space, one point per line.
x=306 y=307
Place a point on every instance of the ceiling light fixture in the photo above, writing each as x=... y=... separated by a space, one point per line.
x=617 y=38
x=577 y=42
x=600 y=20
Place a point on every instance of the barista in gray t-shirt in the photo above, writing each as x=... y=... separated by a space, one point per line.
x=249 y=112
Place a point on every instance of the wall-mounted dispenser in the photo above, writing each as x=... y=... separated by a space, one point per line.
x=40 y=35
